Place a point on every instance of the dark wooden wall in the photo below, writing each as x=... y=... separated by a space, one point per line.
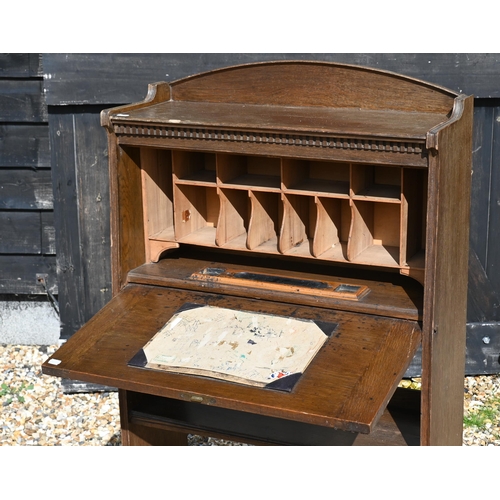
x=78 y=86
x=483 y=314
x=27 y=236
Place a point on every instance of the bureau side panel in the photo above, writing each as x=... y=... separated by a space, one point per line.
x=445 y=307
x=126 y=213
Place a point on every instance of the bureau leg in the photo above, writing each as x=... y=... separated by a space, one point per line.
x=140 y=435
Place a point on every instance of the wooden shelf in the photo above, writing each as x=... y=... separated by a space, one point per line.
x=402 y=299
x=203 y=177
x=255 y=182
x=204 y=236
x=395 y=124
x=379 y=255
x=380 y=192
x=335 y=189
x=316 y=177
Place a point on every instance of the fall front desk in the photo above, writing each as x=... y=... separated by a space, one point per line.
x=285 y=237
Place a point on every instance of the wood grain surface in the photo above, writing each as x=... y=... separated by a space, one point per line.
x=364 y=349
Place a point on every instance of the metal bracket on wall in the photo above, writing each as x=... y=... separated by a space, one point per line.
x=41 y=279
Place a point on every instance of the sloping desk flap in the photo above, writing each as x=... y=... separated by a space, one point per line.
x=347 y=385
x=250 y=348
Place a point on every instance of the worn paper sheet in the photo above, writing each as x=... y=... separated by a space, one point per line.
x=246 y=347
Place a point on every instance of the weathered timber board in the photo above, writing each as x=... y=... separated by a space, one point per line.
x=483 y=348
x=482 y=298
x=27 y=236
x=48 y=233
x=492 y=263
x=485 y=112
x=482 y=351
x=26 y=232
x=20 y=65
x=22 y=101
x=25 y=189
x=93 y=191
x=24 y=145
x=121 y=78
x=81 y=213
x=19 y=272
x=483 y=286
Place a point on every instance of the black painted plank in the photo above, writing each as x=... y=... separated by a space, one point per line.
x=22 y=101
x=123 y=78
x=48 y=234
x=27 y=232
x=81 y=214
x=24 y=145
x=93 y=192
x=482 y=299
x=18 y=274
x=483 y=348
x=25 y=189
x=492 y=265
x=481 y=177
x=66 y=219
x=20 y=65
x=482 y=351
x=20 y=232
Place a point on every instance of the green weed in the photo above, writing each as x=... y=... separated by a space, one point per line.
x=479 y=417
x=12 y=393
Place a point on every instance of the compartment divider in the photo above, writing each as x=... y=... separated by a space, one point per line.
x=233 y=216
x=299 y=221
x=327 y=234
x=264 y=219
x=361 y=230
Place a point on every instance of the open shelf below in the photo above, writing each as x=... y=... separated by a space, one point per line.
x=398 y=426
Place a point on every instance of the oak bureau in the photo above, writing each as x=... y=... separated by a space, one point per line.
x=311 y=190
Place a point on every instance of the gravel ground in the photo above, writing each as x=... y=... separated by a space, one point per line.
x=34 y=411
